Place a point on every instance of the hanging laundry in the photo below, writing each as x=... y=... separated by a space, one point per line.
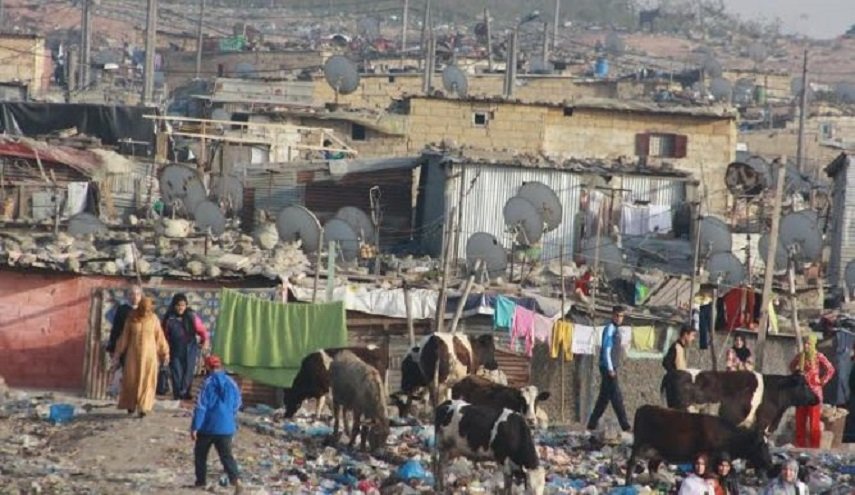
x=267 y=341
x=705 y=325
x=641 y=292
x=773 y=318
x=644 y=338
x=583 y=339
x=659 y=219
x=739 y=308
x=563 y=336
x=634 y=219
x=596 y=203
x=503 y=316
x=543 y=328
x=523 y=327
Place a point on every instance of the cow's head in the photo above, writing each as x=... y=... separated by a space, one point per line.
x=409 y=405
x=484 y=349
x=535 y=481
x=411 y=373
x=797 y=391
x=758 y=451
x=377 y=432
x=291 y=402
x=531 y=397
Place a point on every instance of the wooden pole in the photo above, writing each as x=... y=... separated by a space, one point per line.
x=794 y=307
x=408 y=305
x=770 y=266
x=800 y=151
x=593 y=311
x=555 y=22
x=317 y=267
x=404 y=22
x=461 y=193
x=331 y=254
x=466 y=290
x=712 y=327
x=563 y=309
x=199 y=39
x=150 y=47
x=446 y=265
x=489 y=40
x=696 y=256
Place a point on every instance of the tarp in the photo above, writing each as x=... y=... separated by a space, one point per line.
x=381 y=302
x=110 y=123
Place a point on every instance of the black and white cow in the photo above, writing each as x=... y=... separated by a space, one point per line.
x=483 y=433
x=313 y=378
x=452 y=356
x=678 y=436
x=746 y=398
x=480 y=391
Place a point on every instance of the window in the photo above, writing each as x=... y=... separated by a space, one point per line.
x=661 y=145
x=391 y=79
x=357 y=132
x=568 y=111
x=480 y=119
x=826 y=130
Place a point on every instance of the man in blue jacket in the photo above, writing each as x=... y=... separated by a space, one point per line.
x=609 y=359
x=214 y=422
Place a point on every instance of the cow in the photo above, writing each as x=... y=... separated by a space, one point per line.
x=451 y=356
x=480 y=391
x=678 y=436
x=483 y=433
x=357 y=387
x=746 y=398
x=313 y=378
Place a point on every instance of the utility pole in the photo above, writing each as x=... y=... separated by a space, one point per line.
x=511 y=65
x=545 y=50
x=800 y=153
x=404 y=22
x=696 y=230
x=85 y=44
x=489 y=40
x=426 y=29
x=150 y=47
x=199 y=39
x=555 y=22
x=770 y=265
x=427 y=82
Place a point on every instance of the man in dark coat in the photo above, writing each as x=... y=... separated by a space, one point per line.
x=135 y=293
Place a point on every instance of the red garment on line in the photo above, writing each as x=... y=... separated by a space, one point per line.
x=737 y=316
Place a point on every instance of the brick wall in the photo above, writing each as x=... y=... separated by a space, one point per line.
x=23 y=60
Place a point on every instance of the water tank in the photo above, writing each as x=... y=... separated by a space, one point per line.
x=759 y=95
x=601 y=68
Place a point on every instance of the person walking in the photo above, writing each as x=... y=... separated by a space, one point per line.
x=140 y=347
x=811 y=364
x=739 y=356
x=675 y=358
x=787 y=483
x=609 y=361
x=135 y=294
x=214 y=422
x=186 y=335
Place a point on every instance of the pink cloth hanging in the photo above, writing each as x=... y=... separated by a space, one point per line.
x=542 y=328
x=523 y=327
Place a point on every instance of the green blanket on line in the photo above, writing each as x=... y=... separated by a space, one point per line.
x=266 y=341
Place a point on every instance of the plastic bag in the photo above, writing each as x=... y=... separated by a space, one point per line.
x=163 y=380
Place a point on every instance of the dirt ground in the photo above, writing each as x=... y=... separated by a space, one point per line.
x=107 y=451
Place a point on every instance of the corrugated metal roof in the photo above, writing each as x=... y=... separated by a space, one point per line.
x=673 y=292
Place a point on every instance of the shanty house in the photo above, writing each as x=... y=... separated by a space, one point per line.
x=842 y=228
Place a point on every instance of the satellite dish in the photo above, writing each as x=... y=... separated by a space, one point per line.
x=757 y=52
x=179 y=183
x=611 y=256
x=208 y=215
x=849 y=275
x=721 y=89
x=85 y=224
x=715 y=236
x=800 y=230
x=524 y=220
x=748 y=177
x=296 y=223
x=711 y=66
x=228 y=190
x=780 y=252
x=485 y=247
x=728 y=267
x=343 y=234
x=359 y=221
x=545 y=200
x=454 y=80
x=341 y=75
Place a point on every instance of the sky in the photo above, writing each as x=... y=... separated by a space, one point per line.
x=816 y=18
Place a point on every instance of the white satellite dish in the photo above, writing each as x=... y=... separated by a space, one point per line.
x=84 y=224
x=728 y=267
x=485 y=247
x=181 y=186
x=524 y=220
x=359 y=221
x=343 y=235
x=454 y=81
x=715 y=236
x=545 y=201
x=341 y=74
x=296 y=223
x=208 y=215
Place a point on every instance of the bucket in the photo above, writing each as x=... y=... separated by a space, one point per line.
x=61 y=413
x=601 y=67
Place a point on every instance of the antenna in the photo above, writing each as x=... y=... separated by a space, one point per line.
x=485 y=247
x=454 y=81
x=181 y=185
x=359 y=221
x=208 y=215
x=728 y=267
x=748 y=177
x=545 y=200
x=524 y=220
x=715 y=236
x=84 y=224
x=342 y=233
x=296 y=223
x=341 y=75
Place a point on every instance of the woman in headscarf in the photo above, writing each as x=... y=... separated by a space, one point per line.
x=787 y=483
x=726 y=479
x=186 y=336
x=140 y=345
x=739 y=356
x=817 y=371
x=697 y=482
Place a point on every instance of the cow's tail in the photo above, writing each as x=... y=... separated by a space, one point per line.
x=663 y=390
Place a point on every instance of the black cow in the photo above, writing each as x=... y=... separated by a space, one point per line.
x=678 y=436
x=483 y=433
x=452 y=356
x=746 y=398
x=313 y=379
x=480 y=391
